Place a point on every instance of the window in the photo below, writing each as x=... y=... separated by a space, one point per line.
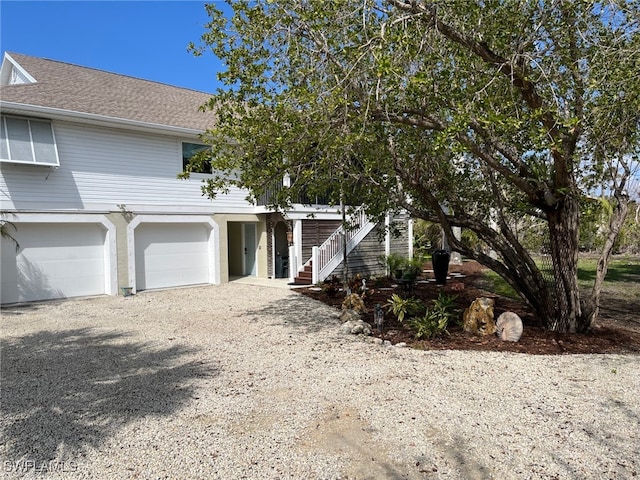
x=29 y=141
x=188 y=151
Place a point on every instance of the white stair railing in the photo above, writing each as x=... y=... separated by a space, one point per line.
x=326 y=257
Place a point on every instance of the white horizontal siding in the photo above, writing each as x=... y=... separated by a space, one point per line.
x=106 y=167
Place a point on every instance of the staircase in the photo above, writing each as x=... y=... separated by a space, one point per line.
x=305 y=276
x=326 y=258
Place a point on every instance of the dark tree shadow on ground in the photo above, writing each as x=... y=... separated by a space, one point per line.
x=300 y=312
x=65 y=391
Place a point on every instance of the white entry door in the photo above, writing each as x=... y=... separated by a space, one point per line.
x=171 y=254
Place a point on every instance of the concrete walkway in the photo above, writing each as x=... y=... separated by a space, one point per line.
x=266 y=282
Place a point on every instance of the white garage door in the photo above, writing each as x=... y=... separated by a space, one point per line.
x=54 y=260
x=171 y=254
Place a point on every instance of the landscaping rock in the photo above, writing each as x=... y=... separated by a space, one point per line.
x=356 y=327
x=509 y=327
x=349 y=316
x=478 y=318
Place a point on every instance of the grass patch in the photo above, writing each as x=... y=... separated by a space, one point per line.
x=623 y=273
x=620 y=270
x=497 y=285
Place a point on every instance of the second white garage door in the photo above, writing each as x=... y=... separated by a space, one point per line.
x=172 y=255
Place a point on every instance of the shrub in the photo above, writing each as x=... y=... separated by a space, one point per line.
x=435 y=320
x=402 y=307
x=354 y=302
x=393 y=262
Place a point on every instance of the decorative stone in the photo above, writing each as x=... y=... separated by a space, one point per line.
x=509 y=327
x=349 y=316
x=478 y=317
x=356 y=327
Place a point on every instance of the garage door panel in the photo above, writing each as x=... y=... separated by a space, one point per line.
x=54 y=261
x=171 y=255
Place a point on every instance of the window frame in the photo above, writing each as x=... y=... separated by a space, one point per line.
x=185 y=162
x=5 y=137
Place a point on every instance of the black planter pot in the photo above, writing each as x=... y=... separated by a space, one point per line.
x=440 y=261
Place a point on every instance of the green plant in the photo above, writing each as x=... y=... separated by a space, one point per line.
x=331 y=286
x=430 y=325
x=435 y=320
x=445 y=303
x=402 y=307
x=8 y=228
x=393 y=262
x=413 y=266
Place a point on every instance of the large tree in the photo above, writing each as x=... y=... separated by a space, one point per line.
x=467 y=113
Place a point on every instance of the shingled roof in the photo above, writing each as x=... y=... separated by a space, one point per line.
x=89 y=91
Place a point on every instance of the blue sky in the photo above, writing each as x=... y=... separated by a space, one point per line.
x=144 y=39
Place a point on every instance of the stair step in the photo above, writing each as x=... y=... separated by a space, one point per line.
x=305 y=276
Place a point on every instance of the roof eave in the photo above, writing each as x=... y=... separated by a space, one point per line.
x=93 y=119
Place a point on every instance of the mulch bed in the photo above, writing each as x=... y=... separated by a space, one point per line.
x=466 y=284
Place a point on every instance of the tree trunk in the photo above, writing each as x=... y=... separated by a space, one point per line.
x=563 y=221
x=592 y=306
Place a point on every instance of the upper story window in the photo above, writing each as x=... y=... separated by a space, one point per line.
x=188 y=151
x=28 y=141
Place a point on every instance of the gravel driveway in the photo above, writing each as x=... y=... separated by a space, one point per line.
x=238 y=381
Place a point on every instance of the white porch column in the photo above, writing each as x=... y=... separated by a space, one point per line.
x=297 y=243
x=315 y=269
x=410 y=237
x=387 y=235
x=293 y=261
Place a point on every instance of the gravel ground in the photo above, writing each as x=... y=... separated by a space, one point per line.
x=237 y=381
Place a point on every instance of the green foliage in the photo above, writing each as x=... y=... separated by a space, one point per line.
x=435 y=320
x=410 y=267
x=427 y=236
x=593 y=227
x=489 y=116
x=8 y=228
x=393 y=262
x=404 y=307
x=331 y=286
x=430 y=325
x=622 y=270
x=413 y=266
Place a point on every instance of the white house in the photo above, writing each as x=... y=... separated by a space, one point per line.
x=88 y=177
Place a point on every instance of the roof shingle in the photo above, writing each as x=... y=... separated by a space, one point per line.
x=85 y=90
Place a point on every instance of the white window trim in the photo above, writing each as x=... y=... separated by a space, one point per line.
x=33 y=152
